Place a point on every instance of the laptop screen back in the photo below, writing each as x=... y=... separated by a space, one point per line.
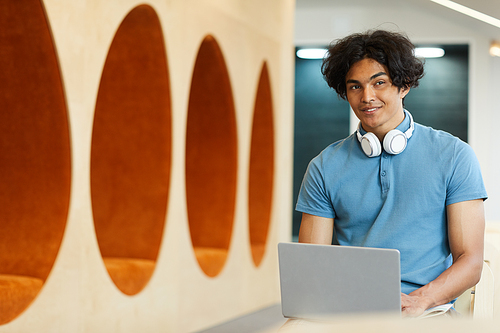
x=319 y=281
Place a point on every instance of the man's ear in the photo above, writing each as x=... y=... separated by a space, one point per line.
x=404 y=91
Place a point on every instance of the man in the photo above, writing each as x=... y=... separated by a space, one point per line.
x=395 y=183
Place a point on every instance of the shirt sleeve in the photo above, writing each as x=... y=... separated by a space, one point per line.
x=466 y=181
x=313 y=196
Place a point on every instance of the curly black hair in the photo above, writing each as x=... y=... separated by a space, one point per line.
x=391 y=49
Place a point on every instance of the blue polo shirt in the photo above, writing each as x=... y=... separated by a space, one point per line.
x=395 y=201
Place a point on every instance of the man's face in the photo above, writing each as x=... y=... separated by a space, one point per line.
x=374 y=99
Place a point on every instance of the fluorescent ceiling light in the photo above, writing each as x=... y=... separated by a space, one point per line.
x=421 y=52
x=470 y=12
x=429 y=52
x=311 y=53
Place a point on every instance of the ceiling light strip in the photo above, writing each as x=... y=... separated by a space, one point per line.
x=311 y=53
x=429 y=52
x=470 y=12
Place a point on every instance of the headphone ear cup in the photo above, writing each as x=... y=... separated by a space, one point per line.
x=395 y=142
x=371 y=145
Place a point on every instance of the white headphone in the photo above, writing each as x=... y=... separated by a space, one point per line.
x=394 y=141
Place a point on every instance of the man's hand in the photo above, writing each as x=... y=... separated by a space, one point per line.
x=413 y=306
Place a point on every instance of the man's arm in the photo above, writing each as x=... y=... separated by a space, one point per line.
x=466 y=238
x=315 y=229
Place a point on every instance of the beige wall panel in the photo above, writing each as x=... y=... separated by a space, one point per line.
x=240 y=287
x=79 y=295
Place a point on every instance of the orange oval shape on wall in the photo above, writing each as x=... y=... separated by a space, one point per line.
x=131 y=151
x=261 y=174
x=35 y=158
x=211 y=158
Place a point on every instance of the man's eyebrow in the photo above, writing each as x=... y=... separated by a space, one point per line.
x=374 y=76
x=377 y=75
x=353 y=81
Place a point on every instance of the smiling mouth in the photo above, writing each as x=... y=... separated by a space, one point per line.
x=370 y=110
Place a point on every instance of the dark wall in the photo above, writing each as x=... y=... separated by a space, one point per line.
x=441 y=100
x=321 y=118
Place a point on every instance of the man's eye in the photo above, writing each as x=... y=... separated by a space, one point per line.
x=354 y=87
x=380 y=83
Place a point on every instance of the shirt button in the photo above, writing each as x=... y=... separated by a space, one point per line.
x=383 y=173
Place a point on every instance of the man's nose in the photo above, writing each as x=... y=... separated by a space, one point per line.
x=368 y=95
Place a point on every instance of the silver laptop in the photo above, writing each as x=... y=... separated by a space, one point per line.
x=321 y=281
